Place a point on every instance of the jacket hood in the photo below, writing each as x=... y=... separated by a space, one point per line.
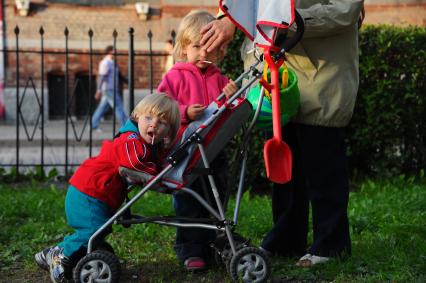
x=129 y=126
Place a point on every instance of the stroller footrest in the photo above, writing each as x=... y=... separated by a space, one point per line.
x=136 y=219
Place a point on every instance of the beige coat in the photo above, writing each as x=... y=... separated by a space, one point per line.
x=326 y=61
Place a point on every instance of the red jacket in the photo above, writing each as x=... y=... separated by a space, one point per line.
x=98 y=176
x=188 y=85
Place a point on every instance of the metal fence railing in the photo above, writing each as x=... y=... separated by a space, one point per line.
x=71 y=92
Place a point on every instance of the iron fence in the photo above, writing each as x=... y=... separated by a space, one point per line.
x=84 y=133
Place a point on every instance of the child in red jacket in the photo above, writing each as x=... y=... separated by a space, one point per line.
x=96 y=189
x=194 y=81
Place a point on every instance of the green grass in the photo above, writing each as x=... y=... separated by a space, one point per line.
x=388 y=229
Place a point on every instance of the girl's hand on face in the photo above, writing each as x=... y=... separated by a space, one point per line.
x=194 y=111
x=230 y=88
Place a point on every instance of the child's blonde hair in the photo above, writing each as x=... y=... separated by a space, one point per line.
x=160 y=105
x=189 y=31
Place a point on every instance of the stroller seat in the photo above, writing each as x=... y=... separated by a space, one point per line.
x=213 y=139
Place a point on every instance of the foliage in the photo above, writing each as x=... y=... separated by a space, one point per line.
x=232 y=65
x=387 y=219
x=387 y=134
x=36 y=175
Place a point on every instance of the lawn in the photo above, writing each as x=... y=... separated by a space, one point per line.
x=388 y=228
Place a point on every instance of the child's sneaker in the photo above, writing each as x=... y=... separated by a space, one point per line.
x=54 y=259
x=40 y=259
x=194 y=264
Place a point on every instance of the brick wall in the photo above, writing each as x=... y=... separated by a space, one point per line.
x=103 y=20
x=30 y=67
x=165 y=17
x=396 y=13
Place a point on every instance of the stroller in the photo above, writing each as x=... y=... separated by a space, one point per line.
x=200 y=143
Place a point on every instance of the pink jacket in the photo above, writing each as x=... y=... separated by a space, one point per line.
x=188 y=85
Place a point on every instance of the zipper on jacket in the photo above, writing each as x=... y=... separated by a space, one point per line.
x=206 y=95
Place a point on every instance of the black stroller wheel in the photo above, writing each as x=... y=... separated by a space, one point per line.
x=250 y=264
x=222 y=249
x=104 y=246
x=98 y=266
x=223 y=259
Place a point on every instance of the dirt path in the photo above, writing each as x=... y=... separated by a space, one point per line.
x=130 y=274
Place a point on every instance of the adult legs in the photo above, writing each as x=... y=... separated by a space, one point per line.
x=100 y=111
x=119 y=109
x=290 y=207
x=319 y=176
x=107 y=102
x=328 y=190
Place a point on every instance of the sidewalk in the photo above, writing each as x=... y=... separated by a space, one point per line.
x=54 y=133
x=54 y=143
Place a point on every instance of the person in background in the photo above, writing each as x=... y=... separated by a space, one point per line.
x=108 y=90
x=194 y=82
x=326 y=64
x=97 y=190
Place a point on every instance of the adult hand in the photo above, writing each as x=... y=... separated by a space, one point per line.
x=217 y=34
x=230 y=88
x=194 y=111
x=98 y=95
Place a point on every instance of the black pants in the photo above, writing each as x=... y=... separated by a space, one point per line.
x=194 y=242
x=319 y=178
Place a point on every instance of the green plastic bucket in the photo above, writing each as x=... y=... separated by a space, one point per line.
x=289 y=101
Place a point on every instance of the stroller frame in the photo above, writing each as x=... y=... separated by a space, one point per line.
x=233 y=247
x=249 y=264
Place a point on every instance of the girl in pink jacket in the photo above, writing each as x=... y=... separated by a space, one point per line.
x=194 y=81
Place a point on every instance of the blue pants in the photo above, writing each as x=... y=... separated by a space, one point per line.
x=320 y=178
x=86 y=215
x=107 y=102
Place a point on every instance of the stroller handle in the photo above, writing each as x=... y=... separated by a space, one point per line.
x=287 y=44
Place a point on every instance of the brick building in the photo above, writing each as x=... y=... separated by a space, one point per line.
x=396 y=12
x=103 y=17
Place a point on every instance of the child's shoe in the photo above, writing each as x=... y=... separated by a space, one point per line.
x=194 y=264
x=40 y=259
x=55 y=259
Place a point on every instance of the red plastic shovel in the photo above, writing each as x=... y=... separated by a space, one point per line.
x=276 y=152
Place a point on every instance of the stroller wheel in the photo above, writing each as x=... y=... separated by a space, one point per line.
x=223 y=259
x=98 y=266
x=104 y=246
x=222 y=249
x=250 y=264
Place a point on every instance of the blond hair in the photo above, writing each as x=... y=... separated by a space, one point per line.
x=162 y=106
x=189 y=31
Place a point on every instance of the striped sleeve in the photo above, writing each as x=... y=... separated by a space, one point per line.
x=135 y=155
